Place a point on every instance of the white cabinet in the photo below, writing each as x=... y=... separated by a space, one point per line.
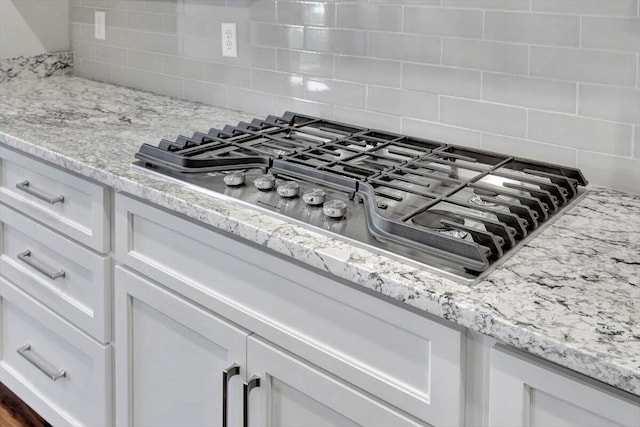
x=170 y=358
x=59 y=371
x=172 y=368
x=56 y=290
x=292 y=393
x=412 y=362
x=69 y=204
x=528 y=392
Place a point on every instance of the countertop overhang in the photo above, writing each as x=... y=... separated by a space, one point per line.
x=571 y=295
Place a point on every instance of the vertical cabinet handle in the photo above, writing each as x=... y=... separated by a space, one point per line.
x=25 y=351
x=24 y=186
x=226 y=375
x=26 y=258
x=253 y=382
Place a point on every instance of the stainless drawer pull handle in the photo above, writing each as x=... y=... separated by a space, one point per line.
x=226 y=375
x=26 y=258
x=253 y=382
x=24 y=186
x=25 y=351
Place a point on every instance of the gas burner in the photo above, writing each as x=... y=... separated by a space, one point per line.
x=476 y=199
x=437 y=219
x=433 y=219
x=451 y=207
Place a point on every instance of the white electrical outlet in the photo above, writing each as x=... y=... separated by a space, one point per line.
x=229 y=39
x=100 y=25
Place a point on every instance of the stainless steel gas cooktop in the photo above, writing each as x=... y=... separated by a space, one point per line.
x=454 y=209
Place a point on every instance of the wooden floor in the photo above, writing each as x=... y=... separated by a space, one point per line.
x=15 y=413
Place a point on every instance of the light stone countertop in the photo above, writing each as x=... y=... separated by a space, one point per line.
x=571 y=295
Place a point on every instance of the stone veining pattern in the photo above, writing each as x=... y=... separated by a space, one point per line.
x=33 y=67
x=571 y=295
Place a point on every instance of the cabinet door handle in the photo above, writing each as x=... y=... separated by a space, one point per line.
x=24 y=186
x=26 y=258
x=253 y=382
x=226 y=375
x=25 y=351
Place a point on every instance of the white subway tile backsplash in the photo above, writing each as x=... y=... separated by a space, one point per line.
x=544 y=94
x=124 y=38
x=406 y=103
x=277 y=83
x=207 y=93
x=555 y=80
x=613 y=103
x=227 y=75
x=611 y=171
x=91 y=69
x=273 y=35
x=162 y=43
x=388 y=122
x=532 y=28
x=117 y=18
x=580 y=132
x=441 y=132
x=584 y=65
x=127 y=77
x=484 y=55
x=366 y=70
x=588 y=7
x=83 y=49
x=335 y=41
x=308 y=13
x=250 y=101
x=611 y=33
x=335 y=92
x=305 y=107
x=141 y=21
x=309 y=63
x=442 y=80
x=405 y=47
x=490 y=4
x=169 y=24
x=163 y=84
x=370 y=16
x=160 y=6
x=144 y=61
x=186 y=68
x=529 y=149
x=484 y=116
x=443 y=22
x=111 y=55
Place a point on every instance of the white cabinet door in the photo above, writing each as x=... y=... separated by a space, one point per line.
x=292 y=393
x=525 y=392
x=170 y=358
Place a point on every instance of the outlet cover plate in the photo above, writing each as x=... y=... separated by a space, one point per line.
x=100 y=25
x=229 y=39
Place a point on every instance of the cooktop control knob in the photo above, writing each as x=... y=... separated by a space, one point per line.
x=335 y=209
x=289 y=189
x=234 y=179
x=265 y=182
x=314 y=197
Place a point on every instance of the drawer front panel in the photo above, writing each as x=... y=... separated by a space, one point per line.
x=408 y=360
x=59 y=371
x=71 y=205
x=68 y=278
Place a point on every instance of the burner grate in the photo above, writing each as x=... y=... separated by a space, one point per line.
x=484 y=201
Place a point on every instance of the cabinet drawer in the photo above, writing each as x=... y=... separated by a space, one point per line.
x=71 y=205
x=65 y=276
x=38 y=347
x=408 y=360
